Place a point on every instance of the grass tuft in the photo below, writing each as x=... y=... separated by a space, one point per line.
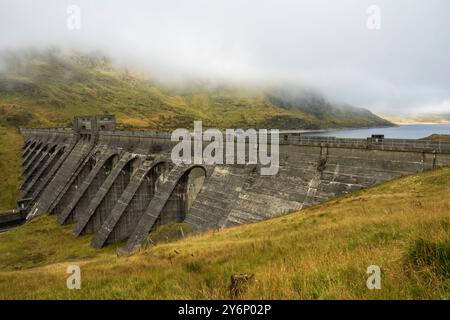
x=321 y=252
x=430 y=254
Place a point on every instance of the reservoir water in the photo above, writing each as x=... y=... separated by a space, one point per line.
x=409 y=131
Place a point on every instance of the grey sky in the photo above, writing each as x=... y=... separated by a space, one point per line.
x=403 y=67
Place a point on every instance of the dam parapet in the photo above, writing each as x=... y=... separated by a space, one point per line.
x=110 y=136
x=122 y=185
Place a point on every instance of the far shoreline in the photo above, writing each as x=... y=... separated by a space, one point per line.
x=424 y=119
x=406 y=133
x=419 y=122
x=335 y=129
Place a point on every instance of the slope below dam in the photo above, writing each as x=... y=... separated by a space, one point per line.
x=122 y=185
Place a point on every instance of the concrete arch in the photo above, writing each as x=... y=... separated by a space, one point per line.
x=133 y=203
x=76 y=181
x=28 y=159
x=73 y=158
x=36 y=169
x=26 y=145
x=108 y=195
x=62 y=203
x=158 y=204
x=26 y=154
x=37 y=159
x=182 y=196
x=79 y=204
x=32 y=172
x=42 y=176
x=29 y=146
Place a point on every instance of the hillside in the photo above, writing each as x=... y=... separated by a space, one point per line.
x=319 y=253
x=47 y=89
x=50 y=88
x=438 y=137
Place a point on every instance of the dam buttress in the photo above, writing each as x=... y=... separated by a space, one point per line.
x=122 y=185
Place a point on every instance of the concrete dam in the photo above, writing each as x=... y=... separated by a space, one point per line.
x=122 y=185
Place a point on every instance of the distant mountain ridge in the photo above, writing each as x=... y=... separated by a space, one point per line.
x=49 y=88
x=439 y=118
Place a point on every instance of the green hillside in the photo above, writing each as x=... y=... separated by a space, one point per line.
x=438 y=137
x=321 y=252
x=50 y=88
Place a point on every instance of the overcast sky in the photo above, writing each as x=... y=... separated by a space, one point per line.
x=402 y=67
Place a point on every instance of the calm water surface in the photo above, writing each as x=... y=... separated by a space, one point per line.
x=410 y=131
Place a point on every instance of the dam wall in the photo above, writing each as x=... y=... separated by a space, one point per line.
x=122 y=185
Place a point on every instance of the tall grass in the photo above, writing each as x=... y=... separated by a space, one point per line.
x=319 y=253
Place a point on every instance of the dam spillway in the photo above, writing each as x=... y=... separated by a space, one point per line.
x=122 y=185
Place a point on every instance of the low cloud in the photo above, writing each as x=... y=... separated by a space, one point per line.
x=401 y=68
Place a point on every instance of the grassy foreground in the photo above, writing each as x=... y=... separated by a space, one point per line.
x=319 y=253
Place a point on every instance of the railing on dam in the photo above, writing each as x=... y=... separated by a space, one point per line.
x=298 y=139
x=384 y=144
x=31 y=130
x=291 y=138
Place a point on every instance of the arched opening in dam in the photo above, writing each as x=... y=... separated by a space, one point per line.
x=26 y=145
x=84 y=198
x=138 y=204
x=112 y=196
x=32 y=155
x=28 y=152
x=50 y=160
x=74 y=186
x=182 y=197
x=33 y=171
x=30 y=169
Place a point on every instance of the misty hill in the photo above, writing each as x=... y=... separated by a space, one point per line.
x=49 y=88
